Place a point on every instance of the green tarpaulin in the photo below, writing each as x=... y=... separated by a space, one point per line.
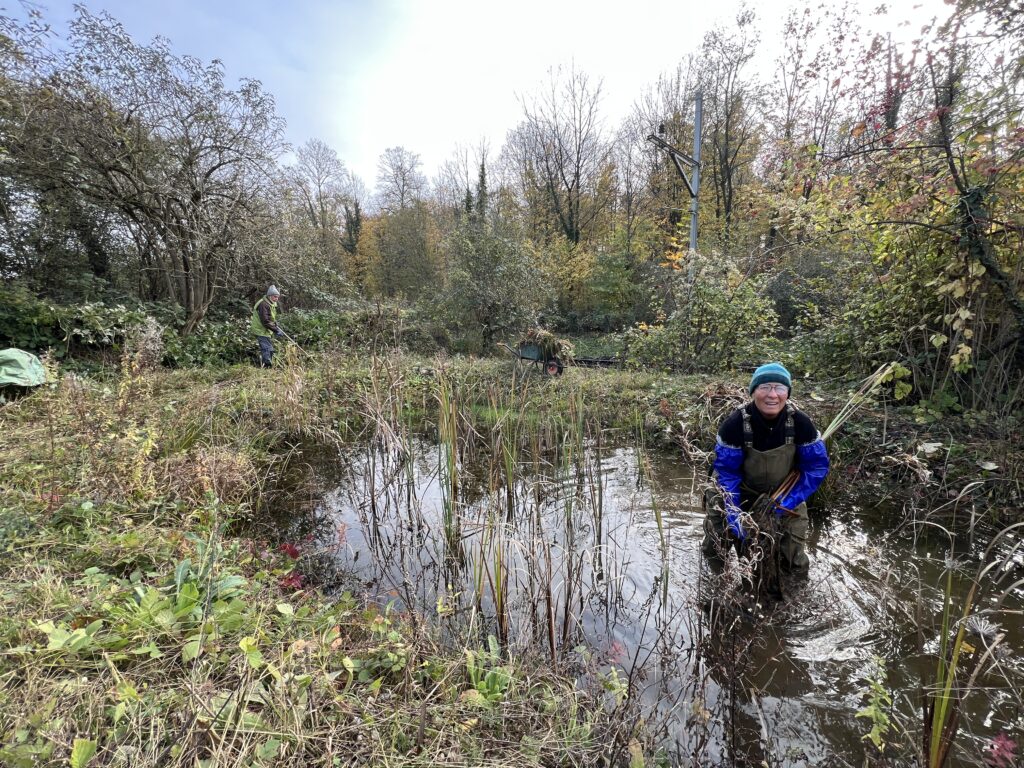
x=20 y=368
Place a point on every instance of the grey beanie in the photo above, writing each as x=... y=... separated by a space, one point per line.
x=272 y=291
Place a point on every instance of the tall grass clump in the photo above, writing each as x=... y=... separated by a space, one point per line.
x=968 y=646
x=448 y=445
x=160 y=615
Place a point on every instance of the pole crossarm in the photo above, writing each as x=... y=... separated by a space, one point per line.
x=678 y=157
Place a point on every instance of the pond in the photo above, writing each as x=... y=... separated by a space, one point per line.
x=591 y=553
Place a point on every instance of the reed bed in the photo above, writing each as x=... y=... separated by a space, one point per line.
x=183 y=622
x=157 y=616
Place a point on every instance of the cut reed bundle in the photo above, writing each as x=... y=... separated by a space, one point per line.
x=867 y=388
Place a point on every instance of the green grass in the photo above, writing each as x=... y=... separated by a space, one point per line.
x=152 y=616
x=152 y=621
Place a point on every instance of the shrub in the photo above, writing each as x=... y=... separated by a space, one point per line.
x=31 y=323
x=27 y=322
x=718 y=316
x=231 y=341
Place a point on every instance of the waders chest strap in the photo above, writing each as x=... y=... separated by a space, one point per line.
x=748 y=432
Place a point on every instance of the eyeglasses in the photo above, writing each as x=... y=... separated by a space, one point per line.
x=764 y=389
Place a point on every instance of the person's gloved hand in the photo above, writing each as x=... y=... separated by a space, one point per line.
x=780 y=511
x=735 y=526
x=279 y=333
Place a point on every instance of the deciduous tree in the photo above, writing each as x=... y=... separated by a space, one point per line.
x=561 y=155
x=159 y=141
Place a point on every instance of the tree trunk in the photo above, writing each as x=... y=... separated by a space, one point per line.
x=972 y=211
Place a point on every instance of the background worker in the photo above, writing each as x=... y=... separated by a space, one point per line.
x=757 y=447
x=264 y=323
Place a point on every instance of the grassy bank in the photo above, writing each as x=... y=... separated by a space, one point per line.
x=158 y=613
x=155 y=617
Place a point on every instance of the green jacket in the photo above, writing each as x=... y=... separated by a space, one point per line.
x=264 y=318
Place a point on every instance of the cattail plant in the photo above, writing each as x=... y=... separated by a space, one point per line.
x=448 y=445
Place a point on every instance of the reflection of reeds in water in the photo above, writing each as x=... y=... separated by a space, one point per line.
x=645 y=474
x=520 y=523
x=505 y=441
x=518 y=543
x=448 y=445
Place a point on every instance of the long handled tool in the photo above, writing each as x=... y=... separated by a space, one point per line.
x=293 y=341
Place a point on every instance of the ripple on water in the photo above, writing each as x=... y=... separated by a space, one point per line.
x=813 y=652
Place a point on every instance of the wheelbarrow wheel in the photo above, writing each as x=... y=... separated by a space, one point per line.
x=553 y=367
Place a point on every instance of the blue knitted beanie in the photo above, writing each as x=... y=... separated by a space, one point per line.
x=771 y=373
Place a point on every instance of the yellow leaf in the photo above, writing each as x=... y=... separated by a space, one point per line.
x=636 y=755
x=472 y=696
x=300 y=646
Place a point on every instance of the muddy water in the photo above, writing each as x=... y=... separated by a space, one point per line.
x=567 y=554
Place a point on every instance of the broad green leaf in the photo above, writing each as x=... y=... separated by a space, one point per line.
x=636 y=755
x=126 y=691
x=79 y=640
x=188 y=597
x=252 y=653
x=149 y=649
x=181 y=573
x=268 y=750
x=191 y=650
x=82 y=752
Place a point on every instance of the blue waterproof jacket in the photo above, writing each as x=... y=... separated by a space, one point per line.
x=810 y=459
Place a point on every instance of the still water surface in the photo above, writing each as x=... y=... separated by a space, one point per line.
x=562 y=548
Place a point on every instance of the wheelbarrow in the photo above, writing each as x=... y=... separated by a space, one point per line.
x=533 y=355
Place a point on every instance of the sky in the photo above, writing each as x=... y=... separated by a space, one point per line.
x=434 y=75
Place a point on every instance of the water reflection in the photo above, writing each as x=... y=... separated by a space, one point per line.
x=561 y=550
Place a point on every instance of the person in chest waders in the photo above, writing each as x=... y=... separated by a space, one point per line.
x=264 y=323
x=757 y=447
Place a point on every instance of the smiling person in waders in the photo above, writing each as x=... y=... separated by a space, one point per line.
x=758 y=445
